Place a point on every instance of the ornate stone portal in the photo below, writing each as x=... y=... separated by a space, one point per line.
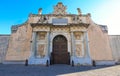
x=44 y=49
x=59 y=38
x=75 y=32
x=61 y=25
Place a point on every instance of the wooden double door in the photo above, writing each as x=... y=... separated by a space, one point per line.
x=60 y=53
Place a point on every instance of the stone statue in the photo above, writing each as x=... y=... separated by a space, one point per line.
x=43 y=19
x=40 y=11
x=79 y=11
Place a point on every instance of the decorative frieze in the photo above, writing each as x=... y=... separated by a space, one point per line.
x=79 y=50
x=78 y=43
x=60 y=29
x=77 y=28
x=41 y=28
x=40 y=50
x=78 y=35
x=41 y=35
x=41 y=44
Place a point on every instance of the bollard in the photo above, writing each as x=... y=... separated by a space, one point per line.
x=51 y=59
x=26 y=62
x=72 y=63
x=94 y=63
x=47 y=63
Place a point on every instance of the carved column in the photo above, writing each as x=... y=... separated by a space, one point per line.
x=33 y=44
x=73 y=44
x=87 y=45
x=69 y=43
x=48 y=44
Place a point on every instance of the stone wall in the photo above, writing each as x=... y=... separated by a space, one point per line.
x=99 y=44
x=19 y=44
x=4 y=40
x=115 y=45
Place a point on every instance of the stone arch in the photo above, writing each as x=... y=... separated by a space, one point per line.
x=60 y=54
x=66 y=35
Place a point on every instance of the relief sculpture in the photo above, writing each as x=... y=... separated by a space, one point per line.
x=76 y=19
x=43 y=19
x=78 y=50
x=78 y=35
x=60 y=9
x=40 y=51
x=41 y=35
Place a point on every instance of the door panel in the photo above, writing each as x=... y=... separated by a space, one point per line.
x=60 y=54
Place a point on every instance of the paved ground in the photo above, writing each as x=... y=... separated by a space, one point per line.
x=58 y=70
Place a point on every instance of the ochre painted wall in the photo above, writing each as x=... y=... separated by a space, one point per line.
x=19 y=44
x=99 y=43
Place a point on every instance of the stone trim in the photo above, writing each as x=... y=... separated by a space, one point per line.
x=68 y=25
x=65 y=15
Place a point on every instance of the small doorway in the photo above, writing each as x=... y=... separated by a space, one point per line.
x=60 y=54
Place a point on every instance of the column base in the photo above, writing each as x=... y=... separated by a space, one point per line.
x=81 y=61
x=38 y=61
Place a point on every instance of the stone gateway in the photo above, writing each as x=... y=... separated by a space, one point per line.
x=59 y=38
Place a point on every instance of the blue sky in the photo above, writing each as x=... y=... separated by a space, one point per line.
x=106 y=12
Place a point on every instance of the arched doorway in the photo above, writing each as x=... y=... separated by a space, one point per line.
x=60 y=53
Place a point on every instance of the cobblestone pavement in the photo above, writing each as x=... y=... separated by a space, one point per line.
x=58 y=70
